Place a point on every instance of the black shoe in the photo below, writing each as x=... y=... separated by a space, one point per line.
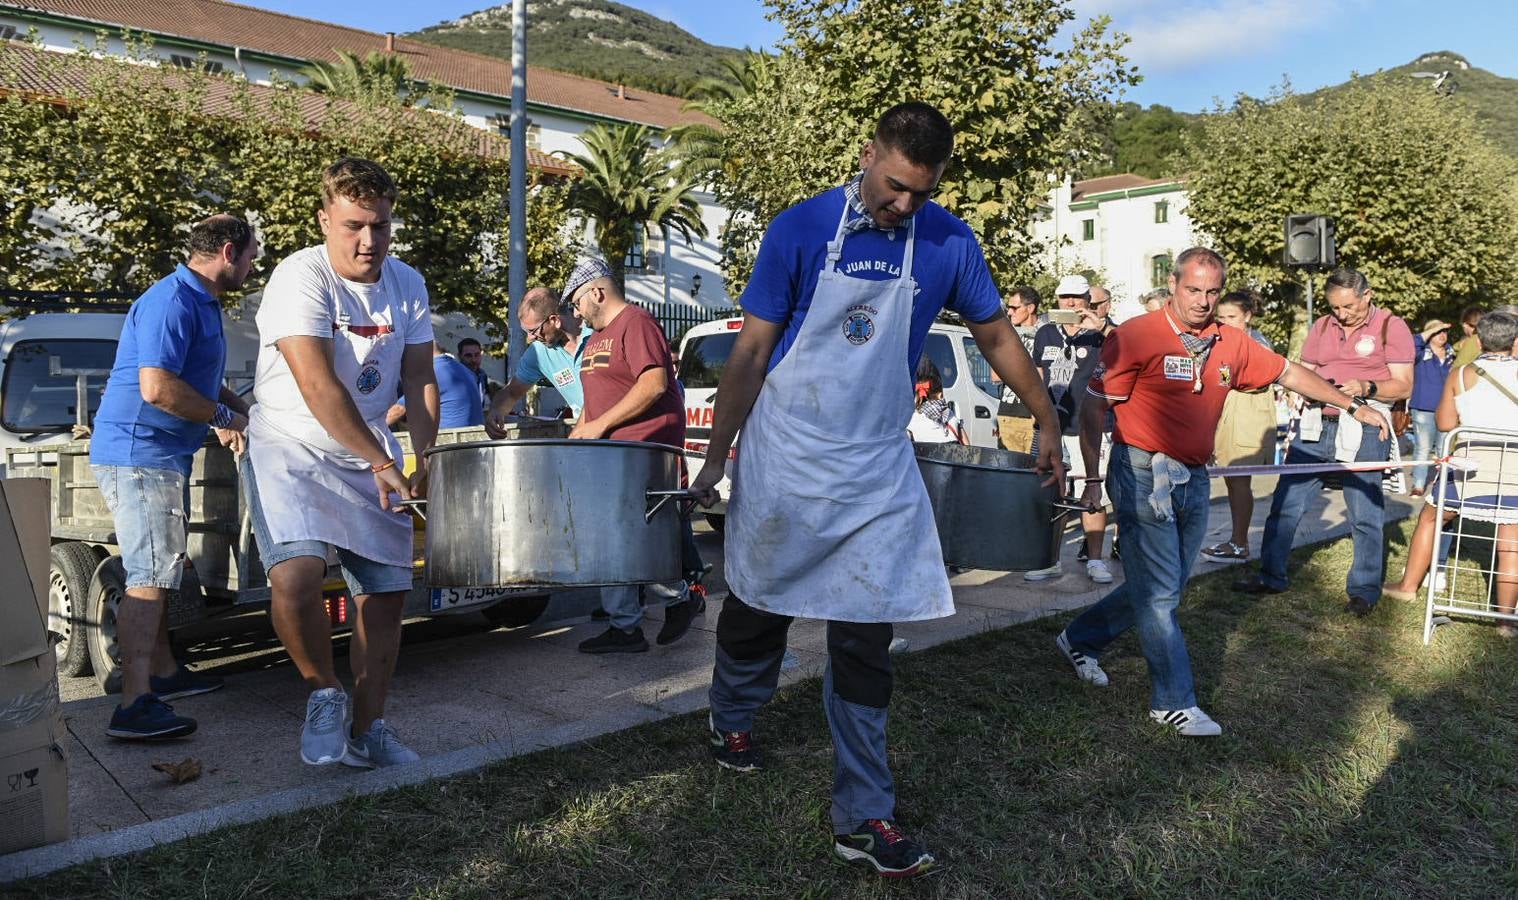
x=678 y=618
x=615 y=640
x=879 y=843
x=599 y=614
x=1254 y=584
x=184 y=683
x=148 y=719
x=734 y=749
x=1359 y=607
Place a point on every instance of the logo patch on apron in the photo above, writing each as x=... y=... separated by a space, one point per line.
x=858 y=328
x=368 y=379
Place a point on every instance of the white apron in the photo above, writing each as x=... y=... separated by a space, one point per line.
x=829 y=518
x=312 y=488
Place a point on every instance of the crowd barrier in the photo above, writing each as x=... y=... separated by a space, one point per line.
x=1478 y=483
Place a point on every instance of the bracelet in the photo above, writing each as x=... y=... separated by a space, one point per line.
x=1092 y=479
x=222 y=417
x=387 y=464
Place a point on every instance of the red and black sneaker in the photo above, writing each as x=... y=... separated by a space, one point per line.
x=881 y=844
x=734 y=749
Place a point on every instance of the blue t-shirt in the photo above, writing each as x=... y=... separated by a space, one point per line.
x=458 y=393
x=557 y=366
x=1429 y=373
x=947 y=265
x=175 y=325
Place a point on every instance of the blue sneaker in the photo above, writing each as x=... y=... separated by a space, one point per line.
x=378 y=747
x=324 y=738
x=148 y=719
x=184 y=683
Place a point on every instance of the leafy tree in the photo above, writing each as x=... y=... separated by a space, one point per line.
x=354 y=77
x=628 y=185
x=1142 y=141
x=698 y=145
x=1424 y=206
x=1020 y=105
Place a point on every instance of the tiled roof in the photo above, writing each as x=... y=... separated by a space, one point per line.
x=235 y=25
x=1126 y=181
x=25 y=72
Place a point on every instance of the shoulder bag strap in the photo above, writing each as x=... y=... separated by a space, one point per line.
x=1495 y=383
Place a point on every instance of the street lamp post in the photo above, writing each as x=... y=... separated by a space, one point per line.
x=516 y=341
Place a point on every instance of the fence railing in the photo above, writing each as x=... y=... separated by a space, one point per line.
x=1474 y=571
x=678 y=318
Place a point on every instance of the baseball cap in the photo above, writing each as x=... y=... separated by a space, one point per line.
x=588 y=269
x=1073 y=286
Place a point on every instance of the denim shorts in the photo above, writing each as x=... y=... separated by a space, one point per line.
x=364 y=575
x=148 y=506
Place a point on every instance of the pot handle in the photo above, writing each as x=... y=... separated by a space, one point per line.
x=665 y=497
x=415 y=506
x=1061 y=507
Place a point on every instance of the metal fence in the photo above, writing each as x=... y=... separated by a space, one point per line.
x=1475 y=567
x=678 y=318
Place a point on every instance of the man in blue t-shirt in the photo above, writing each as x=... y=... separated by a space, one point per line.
x=556 y=341
x=458 y=394
x=164 y=390
x=829 y=517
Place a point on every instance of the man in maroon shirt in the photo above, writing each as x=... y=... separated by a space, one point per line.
x=630 y=395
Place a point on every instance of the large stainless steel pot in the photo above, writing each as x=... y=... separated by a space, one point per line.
x=990 y=509
x=552 y=513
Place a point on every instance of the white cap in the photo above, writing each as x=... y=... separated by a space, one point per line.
x=1073 y=286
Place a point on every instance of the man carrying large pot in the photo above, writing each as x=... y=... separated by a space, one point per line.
x=829 y=517
x=628 y=378
x=343 y=327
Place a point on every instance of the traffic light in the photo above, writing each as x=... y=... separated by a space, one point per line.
x=1309 y=242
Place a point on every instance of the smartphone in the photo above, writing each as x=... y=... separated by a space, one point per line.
x=1065 y=316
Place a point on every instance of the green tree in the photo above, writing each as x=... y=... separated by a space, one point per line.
x=1425 y=206
x=698 y=145
x=1021 y=99
x=353 y=76
x=628 y=185
x=1142 y=141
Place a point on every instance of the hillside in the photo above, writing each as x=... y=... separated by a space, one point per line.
x=597 y=38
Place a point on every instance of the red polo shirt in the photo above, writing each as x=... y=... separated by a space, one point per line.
x=1149 y=375
x=1362 y=352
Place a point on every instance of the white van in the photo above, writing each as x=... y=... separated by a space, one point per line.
x=703 y=355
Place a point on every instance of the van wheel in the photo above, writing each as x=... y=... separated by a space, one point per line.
x=718 y=523
x=516 y=612
x=107 y=589
x=68 y=585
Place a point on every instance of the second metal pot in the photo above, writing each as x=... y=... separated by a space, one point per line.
x=552 y=513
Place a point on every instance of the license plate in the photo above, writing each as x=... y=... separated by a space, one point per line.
x=449 y=598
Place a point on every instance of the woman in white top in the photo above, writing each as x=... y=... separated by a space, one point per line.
x=1483 y=394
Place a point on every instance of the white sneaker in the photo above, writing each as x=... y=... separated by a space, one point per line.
x=1191 y=722
x=1086 y=668
x=1098 y=571
x=1048 y=574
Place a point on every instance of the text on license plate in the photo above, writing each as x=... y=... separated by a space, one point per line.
x=447 y=598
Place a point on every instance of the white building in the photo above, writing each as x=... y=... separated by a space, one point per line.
x=1126 y=228
x=256 y=44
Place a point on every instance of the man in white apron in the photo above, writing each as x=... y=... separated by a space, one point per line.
x=829 y=518
x=342 y=329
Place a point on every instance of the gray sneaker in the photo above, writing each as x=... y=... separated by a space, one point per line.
x=324 y=739
x=378 y=747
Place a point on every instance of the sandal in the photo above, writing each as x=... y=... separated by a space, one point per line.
x=1226 y=552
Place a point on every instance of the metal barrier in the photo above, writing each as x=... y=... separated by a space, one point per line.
x=1478 y=484
x=678 y=318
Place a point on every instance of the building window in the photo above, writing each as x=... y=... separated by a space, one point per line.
x=1159 y=268
x=1088 y=229
x=534 y=136
x=7 y=32
x=194 y=62
x=1162 y=212
x=637 y=254
x=501 y=122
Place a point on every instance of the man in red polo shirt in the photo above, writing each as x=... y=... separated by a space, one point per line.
x=1165 y=375
x=1369 y=353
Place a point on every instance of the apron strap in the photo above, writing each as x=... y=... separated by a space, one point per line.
x=835 y=246
x=906 y=256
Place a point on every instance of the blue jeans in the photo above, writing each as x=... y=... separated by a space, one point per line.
x=621 y=601
x=1157 y=558
x=148 y=509
x=1362 y=498
x=1427 y=440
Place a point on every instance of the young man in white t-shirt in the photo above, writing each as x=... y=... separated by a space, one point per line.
x=343 y=329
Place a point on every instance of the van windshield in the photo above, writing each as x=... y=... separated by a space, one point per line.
x=41 y=386
x=704 y=358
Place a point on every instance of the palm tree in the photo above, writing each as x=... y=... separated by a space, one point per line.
x=352 y=76
x=698 y=144
x=627 y=185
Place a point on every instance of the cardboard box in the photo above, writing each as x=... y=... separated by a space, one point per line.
x=34 y=798
x=24 y=560
x=29 y=710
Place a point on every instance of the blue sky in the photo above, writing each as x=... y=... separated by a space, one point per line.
x=1189 y=51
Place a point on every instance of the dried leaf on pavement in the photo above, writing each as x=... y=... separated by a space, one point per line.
x=180 y=772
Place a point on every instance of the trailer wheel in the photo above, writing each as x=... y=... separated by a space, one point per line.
x=107 y=589
x=516 y=612
x=68 y=585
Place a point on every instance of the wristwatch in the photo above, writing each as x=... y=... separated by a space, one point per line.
x=1354 y=405
x=1371 y=392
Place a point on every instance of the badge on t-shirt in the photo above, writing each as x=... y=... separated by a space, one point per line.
x=1366 y=345
x=1225 y=375
x=1051 y=354
x=1180 y=368
x=563 y=377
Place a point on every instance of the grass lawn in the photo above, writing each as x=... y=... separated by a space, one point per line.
x=1354 y=762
